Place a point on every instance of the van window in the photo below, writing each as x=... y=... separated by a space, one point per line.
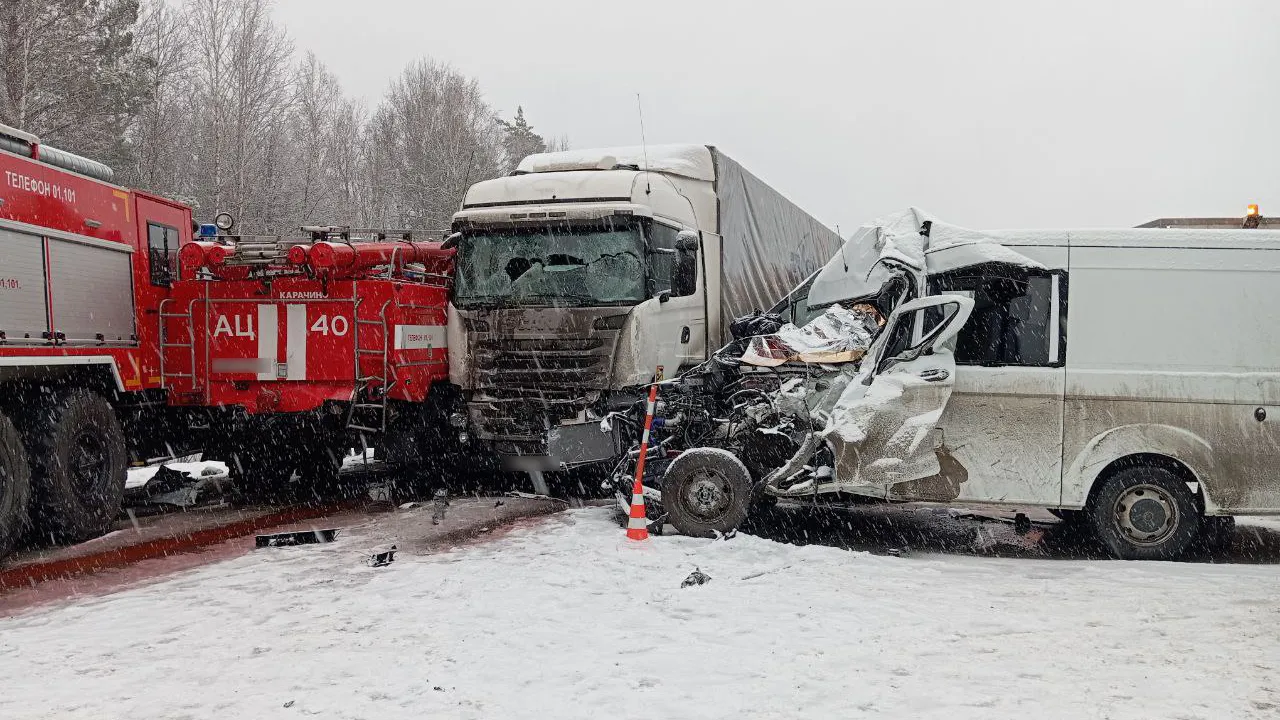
x=1011 y=318
x=162 y=252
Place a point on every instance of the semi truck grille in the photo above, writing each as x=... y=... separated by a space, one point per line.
x=524 y=386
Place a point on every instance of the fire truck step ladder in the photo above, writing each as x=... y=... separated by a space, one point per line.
x=377 y=404
x=165 y=374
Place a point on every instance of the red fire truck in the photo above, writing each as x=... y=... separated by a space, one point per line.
x=123 y=337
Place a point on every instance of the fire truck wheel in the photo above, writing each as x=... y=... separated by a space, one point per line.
x=320 y=477
x=15 y=486
x=79 y=464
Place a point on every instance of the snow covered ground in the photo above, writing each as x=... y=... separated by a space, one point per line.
x=568 y=620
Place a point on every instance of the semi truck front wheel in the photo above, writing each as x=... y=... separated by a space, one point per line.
x=15 y=486
x=79 y=464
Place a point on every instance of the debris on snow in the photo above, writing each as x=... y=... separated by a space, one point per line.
x=439 y=505
x=182 y=484
x=697 y=577
x=301 y=537
x=381 y=556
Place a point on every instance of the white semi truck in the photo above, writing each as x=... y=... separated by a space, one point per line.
x=583 y=271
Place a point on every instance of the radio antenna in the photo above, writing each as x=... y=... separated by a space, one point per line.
x=644 y=146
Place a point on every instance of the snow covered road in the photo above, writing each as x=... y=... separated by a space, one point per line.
x=567 y=619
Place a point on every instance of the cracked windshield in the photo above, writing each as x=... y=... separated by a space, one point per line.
x=556 y=265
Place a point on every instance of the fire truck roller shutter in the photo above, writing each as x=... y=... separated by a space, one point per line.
x=23 y=302
x=92 y=291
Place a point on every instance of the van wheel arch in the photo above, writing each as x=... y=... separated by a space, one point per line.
x=1154 y=460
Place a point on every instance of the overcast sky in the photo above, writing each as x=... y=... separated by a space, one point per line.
x=1017 y=113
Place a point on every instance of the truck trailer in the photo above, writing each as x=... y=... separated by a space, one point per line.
x=584 y=271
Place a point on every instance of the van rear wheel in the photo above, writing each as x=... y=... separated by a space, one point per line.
x=1145 y=513
x=15 y=486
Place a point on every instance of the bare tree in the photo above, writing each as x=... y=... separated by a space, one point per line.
x=204 y=101
x=242 y=93
x=68 y=71
x=432 y=136
x=157 y=140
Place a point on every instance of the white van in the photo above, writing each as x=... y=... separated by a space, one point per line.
x=1127 y=379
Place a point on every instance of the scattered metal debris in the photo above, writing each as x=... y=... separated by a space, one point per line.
x=697 y=577
x=381 y=556
x=301 y=537
x=440 y=504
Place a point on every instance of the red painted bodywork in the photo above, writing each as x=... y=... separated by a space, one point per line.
x=364 y=314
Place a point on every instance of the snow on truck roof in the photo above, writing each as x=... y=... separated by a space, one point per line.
x=691 y=161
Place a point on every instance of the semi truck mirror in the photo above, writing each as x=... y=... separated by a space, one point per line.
x=684 y=274
x=687 y=241
x=451 y=242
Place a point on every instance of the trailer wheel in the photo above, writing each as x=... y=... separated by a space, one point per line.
x=706 y=491
x=1145 y=513
x=79 y=465
x=15 y=486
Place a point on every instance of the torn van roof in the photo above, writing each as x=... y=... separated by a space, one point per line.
x=887 y=246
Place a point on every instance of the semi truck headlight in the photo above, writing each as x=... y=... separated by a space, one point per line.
x=458 y=420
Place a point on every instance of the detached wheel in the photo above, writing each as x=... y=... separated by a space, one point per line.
x=15 y=486
x=706 y=491
x=79 y=464
x=1145 y=513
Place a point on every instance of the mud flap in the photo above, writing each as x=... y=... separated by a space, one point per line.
x=883 y=427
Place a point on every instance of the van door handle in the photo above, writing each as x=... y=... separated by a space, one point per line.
x=684 y=335
x=935 y=375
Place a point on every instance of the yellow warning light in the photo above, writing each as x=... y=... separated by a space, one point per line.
x=1251 y=210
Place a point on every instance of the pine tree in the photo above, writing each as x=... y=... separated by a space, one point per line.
x=519 y=140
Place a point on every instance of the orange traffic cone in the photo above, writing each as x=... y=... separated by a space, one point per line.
x=638 y=525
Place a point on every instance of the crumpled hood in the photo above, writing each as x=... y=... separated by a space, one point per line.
x=894 y=244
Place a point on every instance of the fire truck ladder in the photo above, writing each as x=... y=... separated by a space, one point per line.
x=166 y=375
x=364 y=403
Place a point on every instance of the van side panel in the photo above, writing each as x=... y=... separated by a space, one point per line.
x=1173 y=350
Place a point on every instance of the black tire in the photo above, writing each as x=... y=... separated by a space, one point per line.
x=260 y=479
x=1145 y=513
x=78 y=465
x=15 y=487
x=706 y=491
x=320 y=474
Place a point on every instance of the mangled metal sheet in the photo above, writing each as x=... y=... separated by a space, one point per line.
x=910 y=242
x=838 y=335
